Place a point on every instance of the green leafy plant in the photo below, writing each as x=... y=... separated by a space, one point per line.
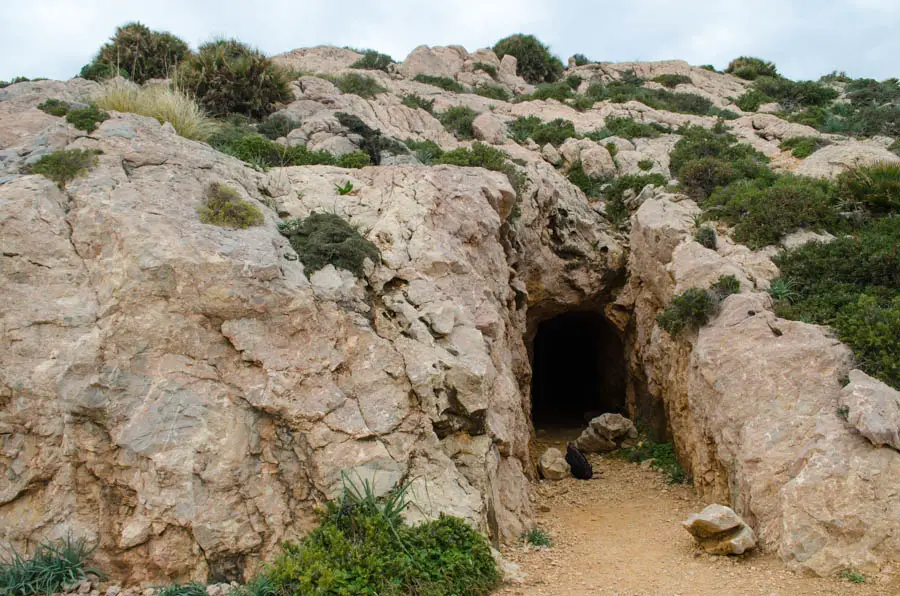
x=373 y=142
x=191 y=589
x=54 y=107
x=853 y=576
x=425 y=151
x=534 y=62
x=670 y=81
x=875 y=187
x=445 y=83
x=803 y=147
x=358 y=84
x=631 y=88
x=458 y=120
x=224 y=207
x=14 y=80
x=560 y=91
x=86 y=119
x=277 y=125
x=614 y=193
x=708 y=67
x=138 y=53
x=843 y=412
x=689 y=310
x=325 y=239
x=479 y=155
x=645 y=165
x=725 y=286
x=344 y=189
x=65 y=165
x=781 y=288
x=372 y=60
x=590 y=186
x=52 y=566
x=661 y=456
x=706 y=236
x=240 y=141
x=581 y=60
x=354 y=159
x=417 y=101
x=628 y=128
x=229 y=77
x=490 y=69
x=749 y=68
x=493 y=92
x=554 y=132
x=535 y=536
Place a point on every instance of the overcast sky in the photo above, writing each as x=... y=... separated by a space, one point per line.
x=805 y=38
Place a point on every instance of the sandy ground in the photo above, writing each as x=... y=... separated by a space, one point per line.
x=621 y=535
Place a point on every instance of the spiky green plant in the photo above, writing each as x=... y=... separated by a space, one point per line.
x=139 y=53
x=344 y=189
x=190 y=589
x=53 y=565
x=536 y=536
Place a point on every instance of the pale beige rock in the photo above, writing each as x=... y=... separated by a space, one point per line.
x=591 y=441
x=713 y=520
x=553 y=465
x=438 y=61
x=489 y=128
x=801 y=237
x=734 y=543
x=873 y=408
x=323 y=59
x=831 y=160
x=551 y=155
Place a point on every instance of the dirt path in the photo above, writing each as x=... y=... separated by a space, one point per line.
x=621 y=536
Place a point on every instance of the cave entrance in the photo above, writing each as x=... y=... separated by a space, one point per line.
x=578 y=370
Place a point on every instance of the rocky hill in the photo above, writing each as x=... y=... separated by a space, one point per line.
x=186 y=394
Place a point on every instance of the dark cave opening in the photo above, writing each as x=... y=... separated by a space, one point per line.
x=578 y=370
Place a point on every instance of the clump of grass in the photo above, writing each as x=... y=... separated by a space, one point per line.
x=535 y=536
x=445 y=83
x=86 y=119
x=706 y=236
x=277 y=125
x=662 y=456
x=875 y=187
x=725 y=286
x=493 y=92
x=425 y=151
x=782 y=289
x=479 y=155
x=326 y=239
x=554 y=132
x=358 y=84
x=458 y=120
x=161 y=102
x=65 y=165
x=372 y=60
x=224 y=207
x=689 y=310
x=670 y=81
x=645 y=165
x=628 y=128
x=354 y=159
x=853 y=576
x=344 y=189
x=190 y=589
x=803 y=147
x=417 y=101
x=53 y=565
x=54 y=107
x=490 y=69
x=534 y=62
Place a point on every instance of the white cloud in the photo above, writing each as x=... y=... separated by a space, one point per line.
x=806 y=38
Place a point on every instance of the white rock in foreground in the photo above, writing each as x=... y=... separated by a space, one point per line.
x=720 y=531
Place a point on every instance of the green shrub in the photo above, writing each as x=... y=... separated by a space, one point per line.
x=560 y=91
x=425 y=151
x=749 y=68
x=479 y=156
x=627 y=128
x=702 y=176
x=645 y=165
x=763 y=213
x=875 y=187
x=354 y=159
x=574 y=81
x=554 y=132
x=14 y=80
x=65 y=165
x=895 y=147
x=872 y=330
x=616 y=210
x=725 y=286
x=535 y=536
x=242 y=142
x=54 y=107
x=853 y=576
x=277 y=125
x=581 y=60
x=53 y=566
x=229 y=77
x=670 y=81
x=708 y=67
x=417 y=101
x=224 y=207
x=751 y=100
x=661 y=456
x=86 y=119
x=590 y=186
x=372 y=60
x=325 y=239
x=734 y=160
x=191 y=589
x=358 y=84
x=581 y=103
x=344 y=189
x=803 y=147
x=630 y=88
x=458 y=120
x=493 y=92
x=445 y=83
x=534 y=61
x=373 y=142
x=706 y=236
x=490 y=69
x=793 y=95
x=689 y=310
x=139 y=53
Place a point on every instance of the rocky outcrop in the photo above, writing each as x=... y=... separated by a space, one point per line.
x=720 y=531
x=752 y=404
x=607 y=432
x=319 y=59
x=873 y=408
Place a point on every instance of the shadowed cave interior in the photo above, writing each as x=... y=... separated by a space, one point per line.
x=578 y=370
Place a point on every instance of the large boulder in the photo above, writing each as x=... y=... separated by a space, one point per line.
x=873 y=408
x=553 y=464
x=720 y=531
x=607 y=432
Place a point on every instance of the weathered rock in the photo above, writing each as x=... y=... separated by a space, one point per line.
x=323 y=59
x=873 y=408
x=596 y=160
x=720 y=531
x=801 y=237
x=438 y=61
x=831 y=160
x=489 y=128
x=551 y=155
x=591 y=441
x=553 y=465
x=614 y=427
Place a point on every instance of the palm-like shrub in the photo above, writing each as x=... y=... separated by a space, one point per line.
x=229 y=77
x=139 y=54
x=749 y=68
x=535 y=63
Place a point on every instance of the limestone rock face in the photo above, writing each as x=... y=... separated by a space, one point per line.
x=752 y=405
x=831 y=160
x=553 y=465
x=489 y=128
x=319 y=59
x=873 y=408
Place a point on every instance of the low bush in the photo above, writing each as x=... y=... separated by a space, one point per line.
x=559 y=91
x=535 y=536
x=86 y=119
x=445 y=83
x=373 y=142
x=490 y=69
x=54 y=107
x=224 y=207
x=493 y=92
x=229 y=77
x=581 y=60
x=590 y=186
x=751 y=100
x=670 y=81
x=65 y=165
x=53 y=566
x=614 y=194
x=14 y=80
x=700 y=177
x=372 y=60
x=425 y=151
x=138 y=53
x=242 y=142
x=803 y=147
x=706 y=236
x=628 y=128
x=354 y=159
x=725 y=286
x=630 y=88
x=645 y=165
x=661 y=456
x=574 y=81
x=534 y=62
x=554 y=132
x=750 y=68
x=161 y=102
x=793 y=95
x=417 y=101
x=691 y=157
x=326 y=239
x=458 y=120
x=358 y=84
x=479 y=155
x=895 y=147
x=277 y=125
x=689 y=310
x=875 y=188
